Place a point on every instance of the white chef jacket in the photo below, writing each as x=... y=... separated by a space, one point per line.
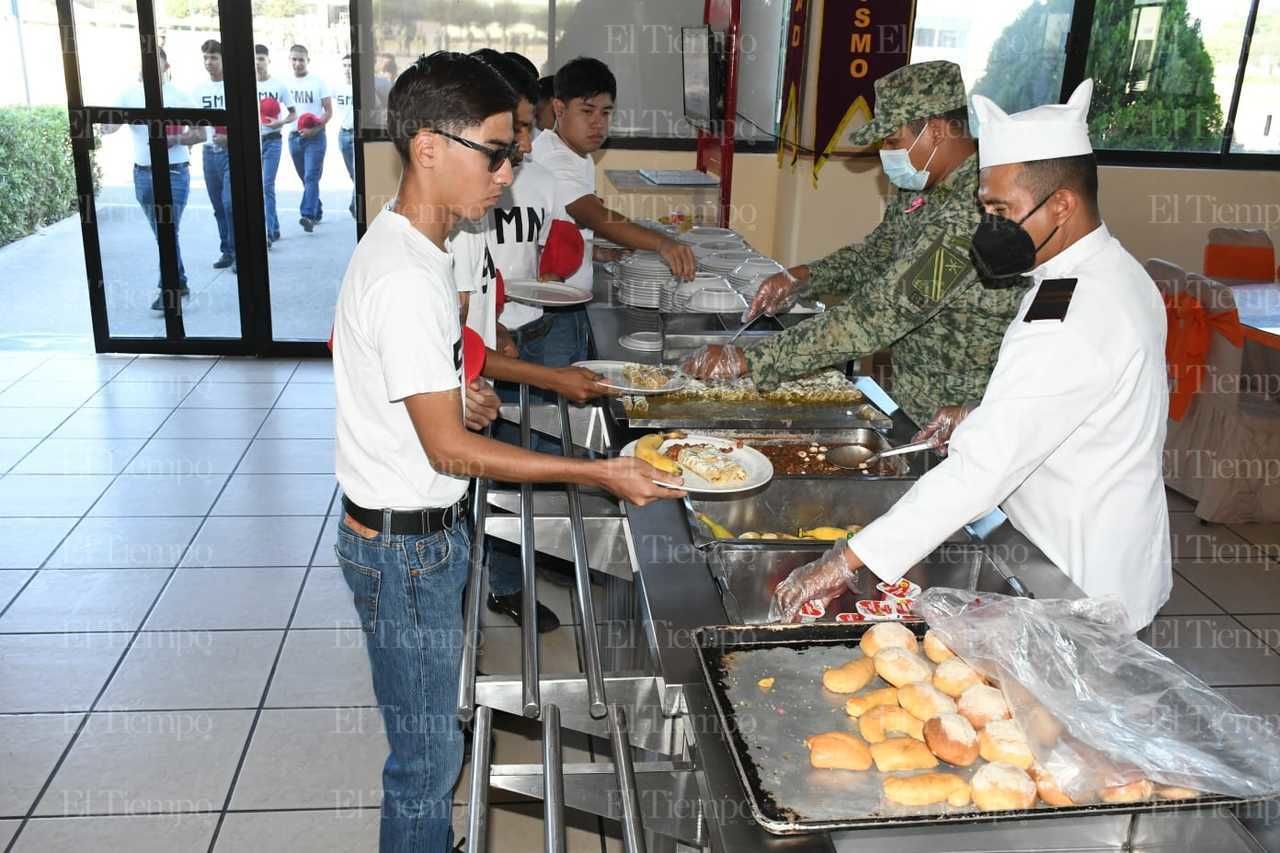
x=1067 y=440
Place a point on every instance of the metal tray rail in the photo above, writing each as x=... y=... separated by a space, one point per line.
x=725 y=651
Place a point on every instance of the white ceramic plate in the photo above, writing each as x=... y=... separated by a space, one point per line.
x=547 y=293
x=758 y=467
x=615 y=377
x=642 y=341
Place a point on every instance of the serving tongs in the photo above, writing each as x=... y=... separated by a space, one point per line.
x=856 y=457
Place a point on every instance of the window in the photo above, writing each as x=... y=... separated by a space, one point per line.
x=1168 y=87
x=1163 y=72
x=1013 y=51
x=1257 y=124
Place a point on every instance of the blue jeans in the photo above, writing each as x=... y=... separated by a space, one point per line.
x=308 y=160
x=217 y=179
x=347 y=142
x=408 y=593
x=567 y=342
x=270 y=166
x=180 y=188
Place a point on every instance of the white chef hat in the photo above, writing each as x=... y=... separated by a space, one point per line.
x=1040 y=133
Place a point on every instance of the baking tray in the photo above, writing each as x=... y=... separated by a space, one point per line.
x=766 y=730
x=747 y=573
x=786 y=504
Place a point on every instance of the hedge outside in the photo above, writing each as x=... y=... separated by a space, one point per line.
x=38 y=179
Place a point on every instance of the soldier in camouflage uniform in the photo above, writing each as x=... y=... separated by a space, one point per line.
x=910 y=286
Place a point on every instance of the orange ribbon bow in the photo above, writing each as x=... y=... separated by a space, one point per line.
x=1191 y=328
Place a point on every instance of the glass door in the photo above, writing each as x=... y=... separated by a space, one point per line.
x=211 y=143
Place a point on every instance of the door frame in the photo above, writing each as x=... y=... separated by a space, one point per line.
x=244 y=149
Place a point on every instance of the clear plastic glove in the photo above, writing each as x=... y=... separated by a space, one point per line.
x=777 y=294
x=825 y=579
x=716 y=362
x=944 y=422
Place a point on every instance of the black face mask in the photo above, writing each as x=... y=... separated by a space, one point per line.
x=1003 y=251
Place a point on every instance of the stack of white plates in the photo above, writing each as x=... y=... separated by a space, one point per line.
x=602 y=243
x=640 y=280
x=676 y=294
x=705 y=233
x=723 y=263
x=707 y=294
x=747 y=276
x=710 y=247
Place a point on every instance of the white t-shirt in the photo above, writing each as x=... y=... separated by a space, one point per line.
x=273 y=88
x=309 y=91
x=344 y=105
x=575 y=177
x=395 y=334
x=474 y=273
x=519 y=225
x=209 y=95
x=173 y=97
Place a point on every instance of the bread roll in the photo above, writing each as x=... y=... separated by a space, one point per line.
x=1003 y=742
x=1042 y=726
x=1002 y=787
x=925 y=701
x=838 y=751
x=927 y=789
x=981 y=704
x=1134 y=792
x=879 y=722
x=886 y=635
x=1172 y=792
x=902 y=753
x=850 y=677
x=900 y=667
x=1047 y=788
x=952 y=738
x=934 y=649
x=953 y=677
x=864 y=702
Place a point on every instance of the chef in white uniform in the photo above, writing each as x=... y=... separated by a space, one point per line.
x=1067 y=439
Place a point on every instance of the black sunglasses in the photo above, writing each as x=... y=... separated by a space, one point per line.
x=496 y=155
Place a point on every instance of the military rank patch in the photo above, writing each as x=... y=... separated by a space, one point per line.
x=1052 y=300
x=940 y=268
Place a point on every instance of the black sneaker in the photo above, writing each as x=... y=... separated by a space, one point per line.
x=158 y=305
x=306 y=224
x=223 y=262
x=510 y=606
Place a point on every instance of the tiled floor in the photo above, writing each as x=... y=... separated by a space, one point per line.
x=180 y=667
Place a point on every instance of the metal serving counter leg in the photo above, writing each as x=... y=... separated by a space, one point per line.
x=529 y=643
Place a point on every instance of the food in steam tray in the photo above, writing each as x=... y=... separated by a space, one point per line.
x=827 y=386
x=983 y=758
x=810 y=460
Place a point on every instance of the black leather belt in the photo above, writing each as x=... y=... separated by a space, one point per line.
x=532 y=331
x=417 y=522
x=274 y=135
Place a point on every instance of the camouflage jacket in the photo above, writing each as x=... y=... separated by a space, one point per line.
x=909 y=287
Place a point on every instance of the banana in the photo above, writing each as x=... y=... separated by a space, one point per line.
x=750 y=534
x=717 y=529
x=826 y=534
x=769 y=536
x=647 y=449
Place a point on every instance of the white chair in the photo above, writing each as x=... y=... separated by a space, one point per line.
x=1225 y=452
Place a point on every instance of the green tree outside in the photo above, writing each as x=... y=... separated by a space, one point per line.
x=1153 y=95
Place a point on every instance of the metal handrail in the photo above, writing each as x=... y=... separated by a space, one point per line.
x=478 y=809
x=632 y=827
x=582 y=580
x=553 y=824
x=476 y=589
x=530 y=692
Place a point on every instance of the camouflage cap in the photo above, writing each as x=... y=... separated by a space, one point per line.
x=912 y=92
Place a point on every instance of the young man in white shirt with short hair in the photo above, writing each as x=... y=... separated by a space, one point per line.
x=347 y=128
x=404 y=454
x=215 y=158
x=307 y=142
x=276 y=95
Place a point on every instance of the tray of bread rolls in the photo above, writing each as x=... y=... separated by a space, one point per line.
x=864 y=725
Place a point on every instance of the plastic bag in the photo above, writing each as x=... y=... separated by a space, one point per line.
x=1100 y=707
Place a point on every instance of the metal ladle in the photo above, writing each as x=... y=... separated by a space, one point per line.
x=856 y=457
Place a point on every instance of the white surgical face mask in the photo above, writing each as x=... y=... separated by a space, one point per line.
x=896 y=163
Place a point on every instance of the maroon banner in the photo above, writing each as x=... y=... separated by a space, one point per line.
x=861 y=41
x=793 y=80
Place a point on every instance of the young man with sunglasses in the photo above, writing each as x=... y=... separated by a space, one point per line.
x=404 y=453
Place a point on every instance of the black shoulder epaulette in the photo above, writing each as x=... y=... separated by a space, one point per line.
x=1052 y=300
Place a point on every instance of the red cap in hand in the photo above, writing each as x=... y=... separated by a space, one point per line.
x=562 y=255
